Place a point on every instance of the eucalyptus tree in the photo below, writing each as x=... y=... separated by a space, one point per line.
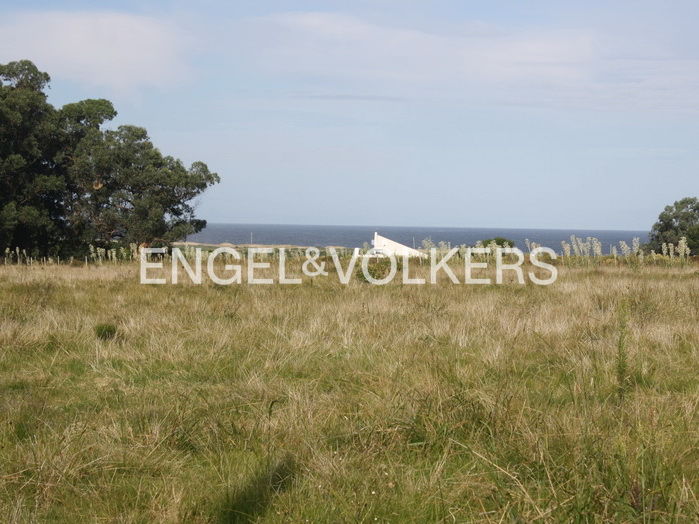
x=66 y=181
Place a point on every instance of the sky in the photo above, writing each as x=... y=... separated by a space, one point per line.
x=551 y=114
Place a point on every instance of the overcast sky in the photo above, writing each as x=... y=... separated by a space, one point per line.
x=546 y=114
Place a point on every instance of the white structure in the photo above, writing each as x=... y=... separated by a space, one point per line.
x=385 y=247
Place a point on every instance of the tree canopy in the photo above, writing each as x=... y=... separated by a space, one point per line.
x=676 y=221
x=67 y=182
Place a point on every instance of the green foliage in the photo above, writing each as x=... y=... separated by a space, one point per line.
x=676 y=221
x=66 y=183
x=693 y=238
x=130 y=192
x=30 y=186
x=105 y=331
x=500 y=241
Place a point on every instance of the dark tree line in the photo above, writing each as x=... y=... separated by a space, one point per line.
x=65 y=182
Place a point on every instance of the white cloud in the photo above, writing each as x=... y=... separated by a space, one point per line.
x=326 y=56
x=579 y=67
x=107 y=49
x=357 y=46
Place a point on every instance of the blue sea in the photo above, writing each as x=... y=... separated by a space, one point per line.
x=356 y=236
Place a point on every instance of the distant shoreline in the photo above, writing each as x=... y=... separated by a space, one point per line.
x=282 y=235
x=422 y=228
x=246 y=246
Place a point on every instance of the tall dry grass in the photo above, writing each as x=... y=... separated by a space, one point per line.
x=331 y=403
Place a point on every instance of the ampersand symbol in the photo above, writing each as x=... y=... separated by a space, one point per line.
x=312 y=255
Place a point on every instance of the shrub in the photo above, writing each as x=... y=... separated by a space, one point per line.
x=105 y=331
x=500 y=241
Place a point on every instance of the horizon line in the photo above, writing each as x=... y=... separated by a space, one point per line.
x=426 y=227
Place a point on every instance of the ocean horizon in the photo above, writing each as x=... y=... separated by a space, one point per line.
x=355 y=236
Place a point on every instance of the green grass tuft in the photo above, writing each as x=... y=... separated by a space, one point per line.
x=105 y=331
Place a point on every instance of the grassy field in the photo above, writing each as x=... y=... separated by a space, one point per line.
x=328 y=403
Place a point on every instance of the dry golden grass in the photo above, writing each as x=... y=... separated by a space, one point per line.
x=331 y=403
